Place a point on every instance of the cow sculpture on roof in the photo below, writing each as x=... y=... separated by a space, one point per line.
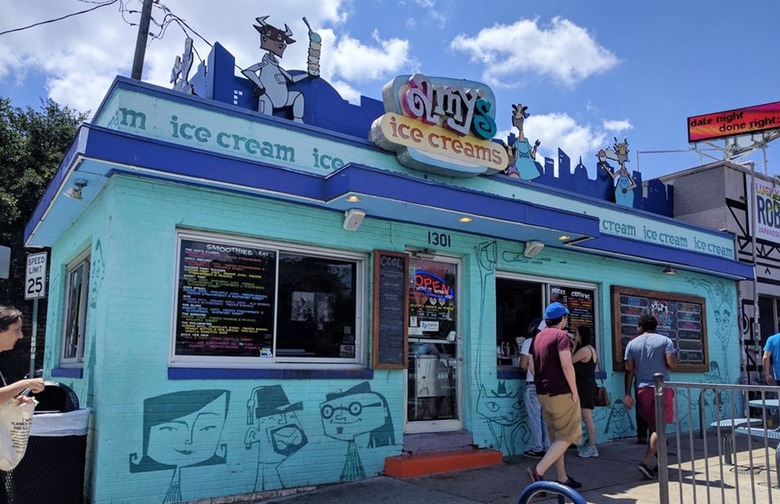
x=271 y=79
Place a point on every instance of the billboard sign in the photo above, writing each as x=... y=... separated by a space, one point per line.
x=734 y=122
x=767 y=221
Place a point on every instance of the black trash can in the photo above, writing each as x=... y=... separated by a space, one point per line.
x=52 y=470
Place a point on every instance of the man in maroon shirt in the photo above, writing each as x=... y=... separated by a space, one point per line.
x=556 y=389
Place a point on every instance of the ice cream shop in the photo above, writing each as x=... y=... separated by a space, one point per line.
x=257 y=286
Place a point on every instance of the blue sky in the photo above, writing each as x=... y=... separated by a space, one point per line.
x=587 y=70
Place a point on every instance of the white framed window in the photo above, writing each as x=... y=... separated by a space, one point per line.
x=254 y=303
x=76 y=305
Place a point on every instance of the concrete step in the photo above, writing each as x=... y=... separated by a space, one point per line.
x=409 y=466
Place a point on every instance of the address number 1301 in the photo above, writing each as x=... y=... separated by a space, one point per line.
x=439 y=239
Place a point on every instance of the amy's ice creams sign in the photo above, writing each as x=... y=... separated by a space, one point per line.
x=440 y=125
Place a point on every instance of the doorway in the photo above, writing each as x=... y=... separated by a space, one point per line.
x=434 y=367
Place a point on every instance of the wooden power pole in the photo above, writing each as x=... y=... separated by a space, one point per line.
x=140 y=42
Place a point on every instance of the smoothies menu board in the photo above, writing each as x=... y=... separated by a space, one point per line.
x=681 y=317
x=580 y=302
x=226 y=304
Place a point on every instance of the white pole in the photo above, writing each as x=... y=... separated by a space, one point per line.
x=34 y=337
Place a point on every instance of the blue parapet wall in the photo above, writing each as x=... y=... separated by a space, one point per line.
x=216 y=79
x=325 y=108
x=659 y=199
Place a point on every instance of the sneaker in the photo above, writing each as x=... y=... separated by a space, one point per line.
x=535 y=478
x=571 y=483
x=587 y=452
x=532 y=454
x=534 y=475
x=648 y=473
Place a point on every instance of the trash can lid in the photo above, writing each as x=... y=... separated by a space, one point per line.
x=70 y=423
x=55 y=396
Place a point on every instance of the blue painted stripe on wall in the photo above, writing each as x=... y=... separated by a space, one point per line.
x=272 y=374
x=68 y=372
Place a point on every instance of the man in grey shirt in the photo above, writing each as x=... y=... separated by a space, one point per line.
x=648 y=354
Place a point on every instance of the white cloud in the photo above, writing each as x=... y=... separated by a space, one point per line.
x=562 y=51
x=355 y=61
x=617 y=126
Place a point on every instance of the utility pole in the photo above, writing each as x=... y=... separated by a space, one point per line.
x=140 y=42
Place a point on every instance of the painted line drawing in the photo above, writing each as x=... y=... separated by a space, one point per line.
x=182 y=429
x=357 y=411
x=276 y=430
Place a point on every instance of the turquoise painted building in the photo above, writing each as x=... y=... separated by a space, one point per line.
x=250 y=303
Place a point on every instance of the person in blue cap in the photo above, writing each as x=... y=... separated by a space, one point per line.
x=556 y=388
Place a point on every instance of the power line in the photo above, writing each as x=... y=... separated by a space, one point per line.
x=104 y=4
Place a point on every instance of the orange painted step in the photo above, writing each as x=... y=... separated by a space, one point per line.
x=409 y=466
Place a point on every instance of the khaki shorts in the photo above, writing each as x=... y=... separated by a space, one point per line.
x=563 y=418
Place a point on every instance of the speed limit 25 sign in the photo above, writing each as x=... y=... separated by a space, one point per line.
x=35 y=277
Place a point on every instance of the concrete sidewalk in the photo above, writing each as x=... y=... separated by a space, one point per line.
x=612 y=478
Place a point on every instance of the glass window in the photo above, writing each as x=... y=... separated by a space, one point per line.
x=76 y=290
x=520 y=302
x=258 y=303
x=316 y=309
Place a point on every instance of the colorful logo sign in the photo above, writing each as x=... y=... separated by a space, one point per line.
x=734 y=122
x=767 y=220
x=440 y=125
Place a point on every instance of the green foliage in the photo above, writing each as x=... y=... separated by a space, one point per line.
x=32 y=145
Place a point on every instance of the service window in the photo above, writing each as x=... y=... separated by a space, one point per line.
x=520 y=302
x=75 y=318
x=261 y=304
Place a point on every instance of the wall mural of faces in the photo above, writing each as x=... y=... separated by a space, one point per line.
x=186 y=429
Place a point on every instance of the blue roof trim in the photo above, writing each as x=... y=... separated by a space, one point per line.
x=592 y=200
x=107 y=145
x=57 y=180
x=397 y=186
x=672 y=256
x=268 y=374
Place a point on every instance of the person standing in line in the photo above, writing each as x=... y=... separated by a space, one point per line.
x=10 y=333
x=770 y=360
x=556 y=388
x=648 y=354
x=585 y=359
x=539 y=438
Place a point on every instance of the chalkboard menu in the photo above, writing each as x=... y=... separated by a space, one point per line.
x=681 y=317
x=580 y=302
x=390 y=301
x=225 y=300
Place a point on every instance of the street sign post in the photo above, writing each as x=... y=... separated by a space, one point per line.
x=35 y=289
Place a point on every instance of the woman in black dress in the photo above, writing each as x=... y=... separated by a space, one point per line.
x=585 y=359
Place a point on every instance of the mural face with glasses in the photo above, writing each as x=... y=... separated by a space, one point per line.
x=358 y=411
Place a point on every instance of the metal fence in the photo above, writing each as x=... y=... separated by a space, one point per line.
x=722 y=446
